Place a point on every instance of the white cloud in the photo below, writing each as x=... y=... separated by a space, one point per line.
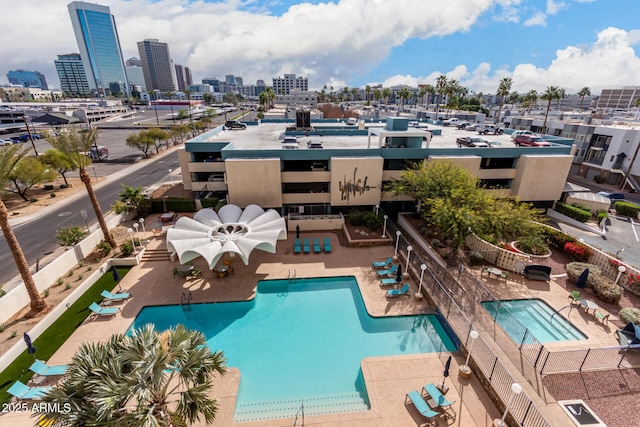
x=539 y=18
x=553 y=7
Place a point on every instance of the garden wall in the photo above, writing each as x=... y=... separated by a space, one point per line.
x=315 y=222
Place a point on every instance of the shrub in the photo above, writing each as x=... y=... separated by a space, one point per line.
x=601 y=215
x=79 y=276
x=52 y=195
x=59 y=282
x=579 y=206
x=627 y=209
x=70 y=236
x=209 y=203
x=599 y=179
x=577 y=251
x=220 y=204
x=476 y=258
x=574 y=269
x=634 y=282
x=2 y=292
x=104 y=248
x=365 y=219
x=70 y=273
x=67 y=286
x=535 y=245
x=13 y=334
x=573 y=212
x=45 y=293
x=630 y=315
x=605 y=288
x=558 y=238
x=2 y=327
x=435 y=243
x=126 y=248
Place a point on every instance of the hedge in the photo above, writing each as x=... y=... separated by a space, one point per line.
x=601 y=215
x=627 y=209
x=558 y=238
x=604 y=288
x=211 y=202
x=173 y=204
x=630 y=315
x=573 y=212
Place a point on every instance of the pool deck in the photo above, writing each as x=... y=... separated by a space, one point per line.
x=388 y=379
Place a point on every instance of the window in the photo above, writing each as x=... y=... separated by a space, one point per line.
x=498 y=163
x=495 y=184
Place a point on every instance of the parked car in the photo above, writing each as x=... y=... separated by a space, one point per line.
x=531 y=141
x=463 y=125
x=234 y=124
x=98 y=154
x=4 y=142
x=314 y=144
x=473 y=126
x=612 y=196
x=469 y=141
x=414 y=124
x=490 y=129
x=522 y=132
x=290 y=143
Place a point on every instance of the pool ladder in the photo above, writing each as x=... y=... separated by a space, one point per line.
x=301 y=410
x=187 y=298
x=291 y=278
x=570 y=307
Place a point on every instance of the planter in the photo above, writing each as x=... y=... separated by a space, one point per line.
x=513 y=245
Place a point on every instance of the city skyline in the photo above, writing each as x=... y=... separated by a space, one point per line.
x=571 y=43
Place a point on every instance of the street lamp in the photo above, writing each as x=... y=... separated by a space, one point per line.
x=395 y=254
x=377 y=208
x=515 y=389
x=419 y=294
x=143 y=230
x=133 y=242
x=384 y=228
x=136 y=225
x=621 y=269
x=465 y=371
x=83 y=214
x=170 y=176
x=406 y=267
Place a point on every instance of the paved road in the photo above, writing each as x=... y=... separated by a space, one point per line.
x=37 y=237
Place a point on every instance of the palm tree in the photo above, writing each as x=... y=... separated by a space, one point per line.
x=403 y=94
x=9 y=158
x=148 y=378
x=386 y=94
x=552 y=92
x=170 y=95
x=74 y=144
x=561 y=95
x=585 y=91
x=532 y=97
x=367 y=89
x=377 y=95
x=429 y=89
x=354 y=92
x=441 y=85
x=514 y=97
x=503 y=90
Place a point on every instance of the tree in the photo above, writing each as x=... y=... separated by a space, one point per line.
x=131 y=200
x=57 y=160
x=145 y=378
x=386 y=94
x=441 y=84
x=503 y=90
x=73 y=144
x=367 y=89
x=403 y=94
x=430 y=90
x=208 y=98
x=10 y=156
x=183 y=114
x=552 y=92
x=561 y=95
x=28 y=172
x=531 y=97
x=140 y=141
x=170 y=95
x=158 y=136
x=585 y=91
x=179 y=132
x=377 y=95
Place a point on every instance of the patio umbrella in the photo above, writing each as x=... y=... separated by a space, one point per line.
x=582 y=279
x=399 y=274
x=446 y=374
x=30 y=348
x=116 y=276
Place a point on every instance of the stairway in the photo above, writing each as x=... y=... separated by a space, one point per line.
x=155 y=255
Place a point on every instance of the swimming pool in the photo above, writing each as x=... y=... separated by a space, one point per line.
x=537 y=316
x=301 y=340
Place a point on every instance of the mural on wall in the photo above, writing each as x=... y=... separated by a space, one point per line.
x=354 y=187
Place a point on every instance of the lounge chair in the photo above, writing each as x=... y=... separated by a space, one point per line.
x=422 y=407
x=574 y=296
x=115 y=297
x=316 y=245
x=444 y=405
x=388 y=281
x=604 y=317
x=296 y=246
x=389 y=272
x=397 y=292
x=103 y=311
x=383 y=264
x=327 y=244
x=22 y=391
x=41 y=368
x=305 y=246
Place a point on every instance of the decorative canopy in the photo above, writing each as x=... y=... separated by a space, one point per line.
x=210 y=234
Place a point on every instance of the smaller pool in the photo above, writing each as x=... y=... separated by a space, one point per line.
x=515 y=317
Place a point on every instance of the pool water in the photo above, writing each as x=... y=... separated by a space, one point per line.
x=537 y=316
x=302 y=339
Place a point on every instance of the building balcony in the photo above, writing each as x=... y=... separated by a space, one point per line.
x=206 y=167
x=302 y=198
x=595 y=162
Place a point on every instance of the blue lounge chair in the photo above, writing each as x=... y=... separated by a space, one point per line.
x=383 y=264
x=397 y=292
x=296 y=246
x=103 y=311
x=316 y=245
x=41 y=368
x=422 y=407
x=389 y=281
x=305 y=246
x=389 y=272
x=22 y=391
x=115 y=297
x=444 y=405
x=327 y=244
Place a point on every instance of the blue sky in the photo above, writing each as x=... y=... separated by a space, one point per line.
x=569 y=43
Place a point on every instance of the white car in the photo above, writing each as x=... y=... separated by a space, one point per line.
x=414 y=124
x=4 y=142
x=522 y=132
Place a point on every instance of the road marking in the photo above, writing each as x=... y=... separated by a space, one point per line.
x=634 y=230
x=65 y=213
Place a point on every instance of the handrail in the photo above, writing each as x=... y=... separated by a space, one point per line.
x=182 y=298
x=189 y=299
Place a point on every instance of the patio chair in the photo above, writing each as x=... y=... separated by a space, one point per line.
x=305 y=246
x=504 y=275
x=485 y=270
x=574 y=296
x=41 y=368
x=316 y=245
x=397 y=292
x=327 y=244
x=196 y=272
x=389 y=272
x=603 y=317
x=383 y=264
x=22 y=391
x=388 y=281
x=444 y=405
x=422 y=407
x=103 y=311
x=115 y=297
x=296 y=246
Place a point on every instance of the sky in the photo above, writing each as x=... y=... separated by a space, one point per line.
x=354 y=43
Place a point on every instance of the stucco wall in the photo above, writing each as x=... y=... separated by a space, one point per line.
x=254 y=181
x=541 y=177
x=356 y=180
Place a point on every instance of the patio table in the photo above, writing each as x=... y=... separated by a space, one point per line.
x=166 y=217
x=495 y=271
x=588 y=305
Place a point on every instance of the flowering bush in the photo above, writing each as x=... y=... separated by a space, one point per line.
x=634 y=282
x=577 y=251
x=508 y=247
x=615 y=263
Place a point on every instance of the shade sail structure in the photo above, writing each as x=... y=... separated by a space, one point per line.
x=210 y=235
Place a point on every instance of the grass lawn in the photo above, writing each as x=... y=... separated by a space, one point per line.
x=55 y=335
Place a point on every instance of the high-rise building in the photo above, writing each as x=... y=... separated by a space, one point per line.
x=135 y=74
x=183 y=77
x=27 y=79
x=230 y=79
x=97 y=36
x=188 y=78
x=159 y=71
x=282 y=86
x=214 y=82
x=73 y=78
x=239 y=82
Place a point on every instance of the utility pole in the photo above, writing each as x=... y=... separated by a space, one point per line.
x=626 y=174
x=33 y=144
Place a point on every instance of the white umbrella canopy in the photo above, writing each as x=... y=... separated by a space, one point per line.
x=210 y=235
